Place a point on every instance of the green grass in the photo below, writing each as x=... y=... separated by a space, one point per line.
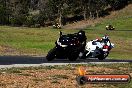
x=121 y=24
x=38 y=41
x=121 y=37
x=28 y=40
x=120 y=19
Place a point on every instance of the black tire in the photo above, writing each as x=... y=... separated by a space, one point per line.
x=101 y=56
x=106 y=54
x=81 y=80
x=51 y=54
x=73 y=55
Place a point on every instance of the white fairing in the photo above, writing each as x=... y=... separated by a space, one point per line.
x=94 y=46
x=107 y=26
x=90 y=46
x=59 y=43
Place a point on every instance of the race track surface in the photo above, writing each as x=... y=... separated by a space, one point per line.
x=26 y=61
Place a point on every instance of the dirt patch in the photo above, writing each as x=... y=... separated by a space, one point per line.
x=50 y=78
x=83 y=24
x=8 y=50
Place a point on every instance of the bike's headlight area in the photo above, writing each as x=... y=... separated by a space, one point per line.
x=72 y=44
x=59 y=43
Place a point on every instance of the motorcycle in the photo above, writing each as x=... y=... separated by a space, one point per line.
x=57 y=25
x=110 y=27
x=68 y=46
x=97 y=49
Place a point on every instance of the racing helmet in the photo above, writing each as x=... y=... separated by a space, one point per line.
x=81 y=33
x=105 y=37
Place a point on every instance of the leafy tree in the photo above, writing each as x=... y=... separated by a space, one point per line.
x=19 y=11
x=3 y=12
x=23 y=12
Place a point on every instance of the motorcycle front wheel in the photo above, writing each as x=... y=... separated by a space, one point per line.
x=51 y=54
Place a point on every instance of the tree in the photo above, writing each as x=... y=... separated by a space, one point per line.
x=117 y=4
x=3 y=12
x=19 y=11
x=58 y=7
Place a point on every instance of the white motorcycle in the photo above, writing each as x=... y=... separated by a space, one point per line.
x=97 y=49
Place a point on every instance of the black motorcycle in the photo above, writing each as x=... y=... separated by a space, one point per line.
x=68 y=46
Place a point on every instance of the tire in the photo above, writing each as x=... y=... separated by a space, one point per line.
x=107 y=53
x=81 y=80
x=73 y=56
x=101 y=56
x=51 y=54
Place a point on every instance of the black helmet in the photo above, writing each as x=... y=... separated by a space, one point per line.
x=81 y=33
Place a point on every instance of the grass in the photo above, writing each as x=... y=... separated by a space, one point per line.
x=24 y=74
x=37 y=80
x=121 y=24
x=13 y=70
x=35 y=41
x=67 y=67
x=121 y=19
x=27 y=40
x=38 y=41
x=121 y=37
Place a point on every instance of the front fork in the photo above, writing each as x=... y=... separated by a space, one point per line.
x=106 y=54
x=84 y=54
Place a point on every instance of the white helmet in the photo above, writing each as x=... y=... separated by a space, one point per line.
x=105 y=37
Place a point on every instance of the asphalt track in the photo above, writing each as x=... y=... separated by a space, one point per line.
x=27 y=61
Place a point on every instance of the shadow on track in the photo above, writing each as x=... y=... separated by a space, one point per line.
x=8 y=60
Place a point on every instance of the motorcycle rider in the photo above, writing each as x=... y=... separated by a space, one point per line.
x=81 y=35
x=105 y=39
x=82 y=38
x=109 y=27
x=57 y=25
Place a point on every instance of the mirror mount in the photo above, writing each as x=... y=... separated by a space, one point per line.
x=60 y=33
